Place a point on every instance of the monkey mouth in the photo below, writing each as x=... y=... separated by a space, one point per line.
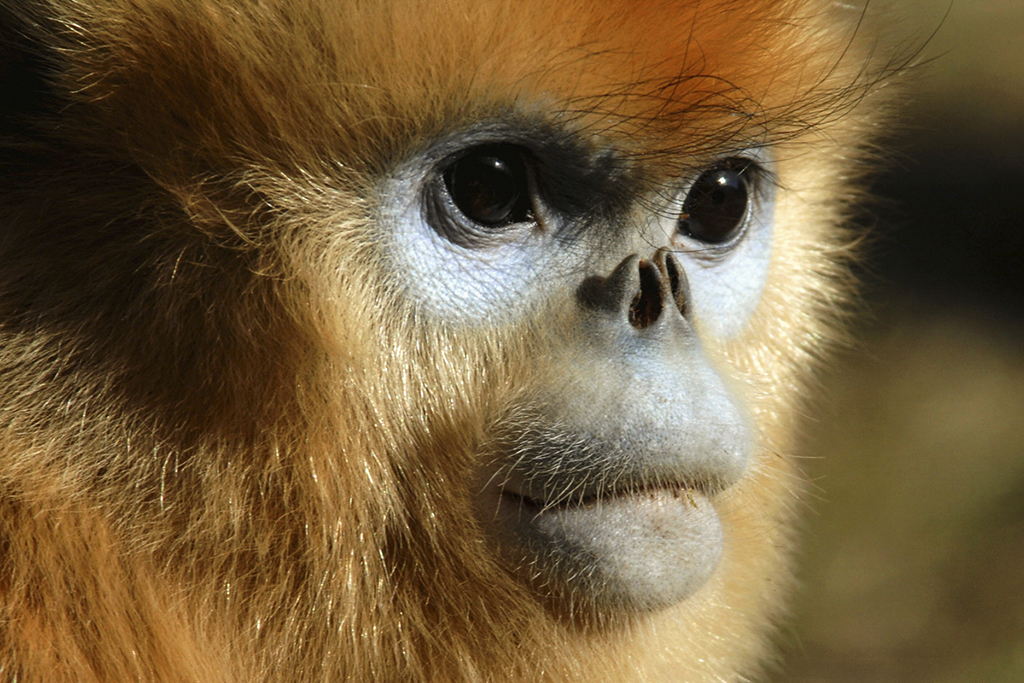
x=635 y=547
x=538 y=505
x=610 y=519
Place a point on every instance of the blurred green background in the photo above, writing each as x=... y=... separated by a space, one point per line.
x=912 y=564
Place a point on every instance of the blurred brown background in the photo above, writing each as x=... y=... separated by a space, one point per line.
x=912 y=566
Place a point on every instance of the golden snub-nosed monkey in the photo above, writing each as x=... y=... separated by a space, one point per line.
x=412 y=341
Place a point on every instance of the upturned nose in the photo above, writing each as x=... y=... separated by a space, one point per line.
x=640 y=290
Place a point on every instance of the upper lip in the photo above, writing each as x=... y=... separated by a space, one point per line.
x=551 y=465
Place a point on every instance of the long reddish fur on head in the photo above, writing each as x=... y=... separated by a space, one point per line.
x=230 y=450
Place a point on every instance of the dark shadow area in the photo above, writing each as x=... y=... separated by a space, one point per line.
x=951 y=231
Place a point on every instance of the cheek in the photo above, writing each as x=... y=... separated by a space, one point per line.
x=725 y=292
x=467 y=285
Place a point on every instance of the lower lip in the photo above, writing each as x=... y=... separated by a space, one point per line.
x=639 y=550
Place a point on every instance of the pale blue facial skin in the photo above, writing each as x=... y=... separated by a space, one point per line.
x=635 y=420
x=504 y=280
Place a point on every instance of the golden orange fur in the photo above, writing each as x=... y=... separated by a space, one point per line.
x=231 y=450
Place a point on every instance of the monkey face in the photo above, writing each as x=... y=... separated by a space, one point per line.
x=342 y=340
x=600 y=490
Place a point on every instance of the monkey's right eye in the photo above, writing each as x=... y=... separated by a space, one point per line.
x=490 y=186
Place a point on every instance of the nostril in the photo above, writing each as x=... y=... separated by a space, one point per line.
x=678 y=285
x=637 y=290
x=648 y=302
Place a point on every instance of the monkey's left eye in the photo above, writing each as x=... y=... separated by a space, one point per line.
x=715 y=208
x=490 y=186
